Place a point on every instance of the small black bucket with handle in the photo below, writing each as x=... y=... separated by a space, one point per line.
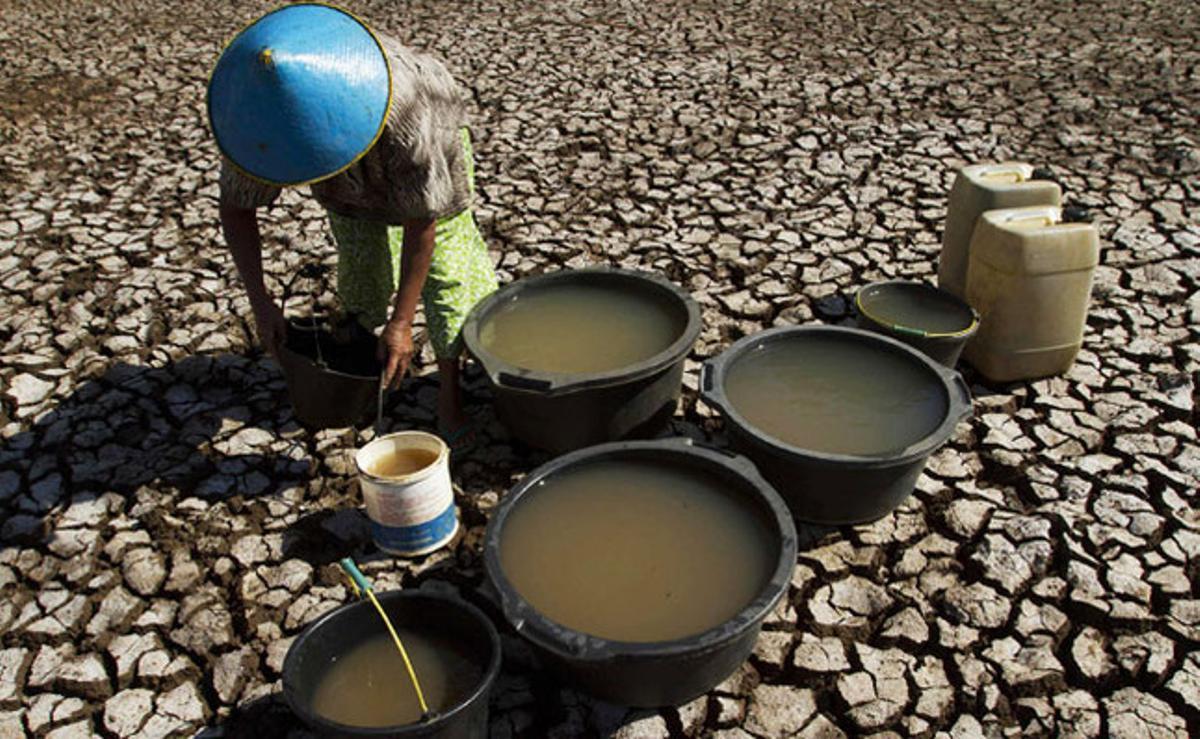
x=332 y=381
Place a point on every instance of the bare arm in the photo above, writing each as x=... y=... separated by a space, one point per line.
x=415 y=256
x=240 y=226
x=396 y=339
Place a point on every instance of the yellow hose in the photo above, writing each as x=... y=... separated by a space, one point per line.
x=361 y=587
x=412 y=674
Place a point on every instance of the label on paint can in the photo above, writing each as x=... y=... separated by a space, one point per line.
x=413 y=517
x=419 y=538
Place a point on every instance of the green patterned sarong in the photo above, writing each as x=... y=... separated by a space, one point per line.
x=460 y=272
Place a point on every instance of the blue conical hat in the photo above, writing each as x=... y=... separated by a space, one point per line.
x=300 y=94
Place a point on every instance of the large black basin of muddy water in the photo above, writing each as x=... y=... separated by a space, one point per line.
x=840 y=420
x=641 y=570
x=344 y=676
x=581 y=328
x=585 y=356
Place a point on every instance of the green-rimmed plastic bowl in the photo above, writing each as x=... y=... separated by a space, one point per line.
x=935 y=342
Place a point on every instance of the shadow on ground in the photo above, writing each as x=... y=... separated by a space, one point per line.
x=209 y=426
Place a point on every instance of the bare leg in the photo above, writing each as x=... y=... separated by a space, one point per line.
x=450 y=406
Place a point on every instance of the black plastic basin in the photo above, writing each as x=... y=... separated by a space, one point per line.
x=829 y=487
x=559 y=411
x=340 y=630
x=940 y=327
x=648 y=673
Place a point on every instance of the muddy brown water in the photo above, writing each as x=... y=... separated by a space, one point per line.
x=581 y=328
x=369 y=686
x=401 y=462
x=632 y=551
x=836 y=396
x=918 y=309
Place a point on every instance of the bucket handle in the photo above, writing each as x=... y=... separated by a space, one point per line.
x=518 y=613
x=740 y=461
x=966 y=408
x=312 y=271
x=521 y=382
x=710 y=447
x=710 y=391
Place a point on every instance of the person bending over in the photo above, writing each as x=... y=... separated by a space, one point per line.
x=309 y=95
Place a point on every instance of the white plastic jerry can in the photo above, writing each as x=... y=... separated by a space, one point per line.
x=979 y=188
x=1030 y=278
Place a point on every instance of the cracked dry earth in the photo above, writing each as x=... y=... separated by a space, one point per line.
x=168 y=528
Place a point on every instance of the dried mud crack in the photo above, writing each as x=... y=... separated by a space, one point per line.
x=168 y=528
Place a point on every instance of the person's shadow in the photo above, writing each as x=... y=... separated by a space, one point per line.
x=210 y=426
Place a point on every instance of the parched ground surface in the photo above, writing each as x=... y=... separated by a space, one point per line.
x=168 y=528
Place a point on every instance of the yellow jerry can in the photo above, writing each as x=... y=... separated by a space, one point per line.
x=1030 y=278
x=979 y=188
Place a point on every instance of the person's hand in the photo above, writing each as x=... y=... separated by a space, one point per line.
x=395 y=351
x=270 y=325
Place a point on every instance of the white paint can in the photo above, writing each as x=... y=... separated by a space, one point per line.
x=405 y=480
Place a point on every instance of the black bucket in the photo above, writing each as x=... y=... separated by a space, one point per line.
x=833 y=488
x=956 y=321
x=649 y=674
x=560 y=412
x=340 y=630
x=331 y=383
